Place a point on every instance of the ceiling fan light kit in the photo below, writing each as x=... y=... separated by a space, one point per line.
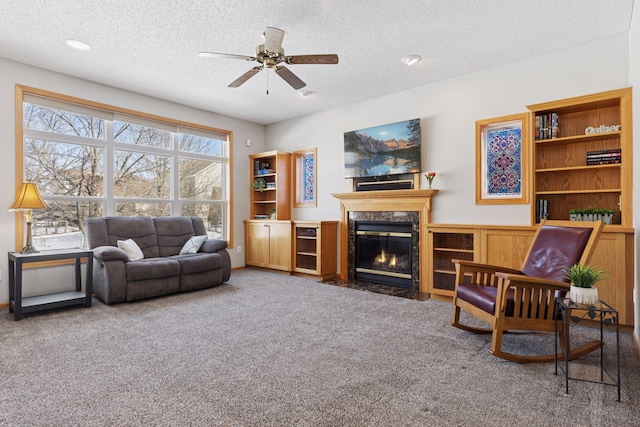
x=270 y=54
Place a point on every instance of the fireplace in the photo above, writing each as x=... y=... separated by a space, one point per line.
x=384 y=250
x=395 y=206
x=384 y=253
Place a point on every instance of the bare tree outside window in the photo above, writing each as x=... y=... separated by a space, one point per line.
x=130 y=133
x=202 y=180
x=64 y=169
x=65 y=154
x=201 y=145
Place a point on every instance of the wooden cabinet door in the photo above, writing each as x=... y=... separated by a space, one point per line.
x=280 y=246
x=256 y=244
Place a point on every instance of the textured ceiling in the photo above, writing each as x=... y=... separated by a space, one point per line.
x=151 y=46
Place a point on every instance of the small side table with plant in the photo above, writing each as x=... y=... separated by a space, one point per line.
x=583 y=303
x=604 y=367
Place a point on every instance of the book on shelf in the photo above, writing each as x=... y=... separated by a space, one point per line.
x=554 y=125
x=542 y=209
x=604 y=157
x=547 y=126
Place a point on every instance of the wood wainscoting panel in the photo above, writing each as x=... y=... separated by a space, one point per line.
x=505 y=246
x=612 y=254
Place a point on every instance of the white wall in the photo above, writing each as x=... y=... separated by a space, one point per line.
x=448 y=110
x=12 y=73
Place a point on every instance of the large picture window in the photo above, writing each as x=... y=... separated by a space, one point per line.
x=90 y=160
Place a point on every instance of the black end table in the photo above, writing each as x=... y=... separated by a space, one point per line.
x=19 y=305
x=573 y=313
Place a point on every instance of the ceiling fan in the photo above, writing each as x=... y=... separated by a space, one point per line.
x=270 y=54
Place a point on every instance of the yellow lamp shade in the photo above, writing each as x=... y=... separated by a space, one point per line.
x=28 y=198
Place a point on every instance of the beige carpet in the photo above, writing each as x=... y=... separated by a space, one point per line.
x=273 y=350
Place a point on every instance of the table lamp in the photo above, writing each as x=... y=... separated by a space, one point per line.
x=28 y=198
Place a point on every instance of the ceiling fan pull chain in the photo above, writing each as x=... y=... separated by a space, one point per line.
x=267 y=73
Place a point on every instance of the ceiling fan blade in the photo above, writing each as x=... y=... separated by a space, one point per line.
x=246 y=76
x=312 y=59
x=273 y=39
x=289 y=77
x=225 y=55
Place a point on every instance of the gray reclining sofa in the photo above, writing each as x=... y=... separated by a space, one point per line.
x=163 y=270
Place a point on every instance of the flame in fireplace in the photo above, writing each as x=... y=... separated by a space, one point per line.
x=385 y=261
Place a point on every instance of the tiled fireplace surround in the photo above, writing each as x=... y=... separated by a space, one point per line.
x=391 y=205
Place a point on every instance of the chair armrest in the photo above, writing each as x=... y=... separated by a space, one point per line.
x=213 y=245
x=480 y=273
x=478 y=266
x=109 y=253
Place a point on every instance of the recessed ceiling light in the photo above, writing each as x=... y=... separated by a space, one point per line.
x=304 y=93
x=77 y=44
x=411 y=59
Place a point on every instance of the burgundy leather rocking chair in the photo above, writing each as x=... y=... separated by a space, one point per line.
x=523 y=300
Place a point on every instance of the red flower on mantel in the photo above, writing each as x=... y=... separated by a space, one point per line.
x=430 y=176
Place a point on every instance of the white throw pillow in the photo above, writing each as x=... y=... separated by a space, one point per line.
x=193 y=245
x=131 y=248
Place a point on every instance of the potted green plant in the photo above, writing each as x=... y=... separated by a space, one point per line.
x=259 y=184
x=583 y=278
x=591 y=214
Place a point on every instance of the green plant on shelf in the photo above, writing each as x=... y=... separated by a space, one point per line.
x=591 y=211
x=259 y=184
x=591 y=214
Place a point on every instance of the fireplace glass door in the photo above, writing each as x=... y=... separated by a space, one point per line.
x=383 y=253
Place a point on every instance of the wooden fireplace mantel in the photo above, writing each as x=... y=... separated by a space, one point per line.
x=385 y=201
